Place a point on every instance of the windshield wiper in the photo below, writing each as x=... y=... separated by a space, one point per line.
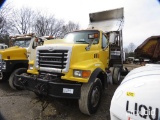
x=82 y=41
x=89 y=45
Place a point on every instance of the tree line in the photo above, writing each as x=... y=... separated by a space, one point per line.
x=129 y=51
x=26 y=20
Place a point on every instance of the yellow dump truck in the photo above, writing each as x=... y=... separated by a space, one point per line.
x=75 y=67
x=15 y=58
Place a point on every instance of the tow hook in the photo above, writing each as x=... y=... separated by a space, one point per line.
x=41 y=88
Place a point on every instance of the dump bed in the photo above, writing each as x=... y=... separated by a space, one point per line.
x=110 y=20
x=150 y=48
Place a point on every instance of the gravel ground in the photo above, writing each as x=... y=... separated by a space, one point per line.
x=25 y=105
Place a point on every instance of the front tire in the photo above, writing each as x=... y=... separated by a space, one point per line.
x=12 y=77
x=90 y=97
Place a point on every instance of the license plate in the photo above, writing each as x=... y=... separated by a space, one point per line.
x=67 y=90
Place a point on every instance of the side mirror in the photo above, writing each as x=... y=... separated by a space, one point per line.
x=105 y=47
x=35 y=43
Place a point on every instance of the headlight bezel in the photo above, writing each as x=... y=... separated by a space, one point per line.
x=81 y=73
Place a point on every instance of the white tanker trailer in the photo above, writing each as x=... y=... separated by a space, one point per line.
x=138 y=96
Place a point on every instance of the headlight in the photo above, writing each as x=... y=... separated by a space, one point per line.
x=81 y=73
x=30 y=67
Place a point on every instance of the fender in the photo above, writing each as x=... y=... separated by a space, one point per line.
x=98 y=72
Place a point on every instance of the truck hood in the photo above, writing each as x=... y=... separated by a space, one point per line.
x=11 y=48
x=77 y=53
x=14 y=53
x=62 y=42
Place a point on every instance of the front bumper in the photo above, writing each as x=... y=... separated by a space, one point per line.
x=48 y=87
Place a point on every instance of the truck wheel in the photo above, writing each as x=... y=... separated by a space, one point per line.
x=12 y=78
x=116 y=75
x=111 y=79
x=90 y=97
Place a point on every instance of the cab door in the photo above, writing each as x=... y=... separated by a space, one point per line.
x=104 y=51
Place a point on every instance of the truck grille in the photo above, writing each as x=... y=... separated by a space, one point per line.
x=53 y=59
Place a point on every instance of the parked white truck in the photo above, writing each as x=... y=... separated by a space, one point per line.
x=138 y=96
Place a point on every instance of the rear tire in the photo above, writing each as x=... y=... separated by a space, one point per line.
x=116 y=75
x=12 y=77
x=90 y=97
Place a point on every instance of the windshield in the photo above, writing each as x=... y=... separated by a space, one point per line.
x=1 y=47
x=21 y=42
x=81 y=37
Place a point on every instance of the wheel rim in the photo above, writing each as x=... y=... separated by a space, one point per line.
x=95 y=97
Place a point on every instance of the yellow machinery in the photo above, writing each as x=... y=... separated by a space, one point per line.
x=75 y=67
x=15 y=59
x=150 y=48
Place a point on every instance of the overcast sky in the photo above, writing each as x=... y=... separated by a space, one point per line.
x=141 y=17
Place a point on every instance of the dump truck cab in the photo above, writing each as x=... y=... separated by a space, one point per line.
x=17 y=56
x=65 y=68
x=83 y=48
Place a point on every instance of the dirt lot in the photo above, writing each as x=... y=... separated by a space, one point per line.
x=25 y=105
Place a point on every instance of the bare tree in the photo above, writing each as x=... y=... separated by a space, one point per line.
x=22 y=20
x=26 y=20
x=5 y=23
x=131 y=47
x=48 y=25
x=69 y=27
x=126 y=50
